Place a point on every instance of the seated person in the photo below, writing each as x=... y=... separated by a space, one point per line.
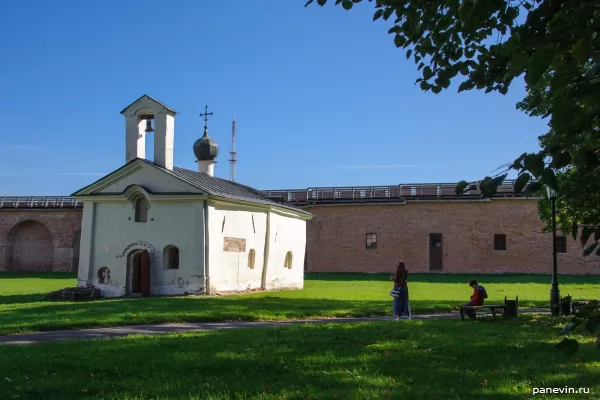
x=479 y=295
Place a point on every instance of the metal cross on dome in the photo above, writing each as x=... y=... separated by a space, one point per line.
x=205 y=115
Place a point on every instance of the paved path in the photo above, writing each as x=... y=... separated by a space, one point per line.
x=52 y=336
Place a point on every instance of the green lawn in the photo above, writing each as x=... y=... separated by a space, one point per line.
x=325 y=295
x=435 y=359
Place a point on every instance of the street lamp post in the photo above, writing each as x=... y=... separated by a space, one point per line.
x=554 y=292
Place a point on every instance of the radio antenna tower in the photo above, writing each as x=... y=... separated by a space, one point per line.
x=232 y=153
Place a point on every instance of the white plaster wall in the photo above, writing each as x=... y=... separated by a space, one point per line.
x=86 y=244
x=151 y=178
x=164 y=137
x=169 y=223
x=229 y=270
x=287 y=234
x=135 y=138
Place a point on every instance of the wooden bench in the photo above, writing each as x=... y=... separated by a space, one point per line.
x=494 y=308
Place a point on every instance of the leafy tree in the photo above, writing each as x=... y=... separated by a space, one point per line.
x=556 y=46
x=578 y=204
x=487 y=43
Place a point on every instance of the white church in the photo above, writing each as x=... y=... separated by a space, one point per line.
x=150 y=228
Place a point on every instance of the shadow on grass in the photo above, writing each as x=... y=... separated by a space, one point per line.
x=21 y=298
x=21 y=311
x=454 y=278
x=413 y=360
x=383 y=277
x=38 y=275
x=61 y=315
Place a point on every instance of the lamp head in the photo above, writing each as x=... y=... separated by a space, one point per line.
x=551 y=193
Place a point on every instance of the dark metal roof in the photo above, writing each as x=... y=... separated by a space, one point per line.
x=156 y=101
x=209 y=185
x=223 y=188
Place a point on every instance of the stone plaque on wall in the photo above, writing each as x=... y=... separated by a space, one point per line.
x=234 y=244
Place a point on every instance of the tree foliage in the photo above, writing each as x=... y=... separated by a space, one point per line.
x=490 y=43
x=555 y=45
x=578 y=204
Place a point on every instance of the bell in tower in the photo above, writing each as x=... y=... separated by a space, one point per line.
x=148 y=119
x=144 y=116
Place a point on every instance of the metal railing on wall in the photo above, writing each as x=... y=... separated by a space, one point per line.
x=429 y=191
x=322 y=195
x=40 y=202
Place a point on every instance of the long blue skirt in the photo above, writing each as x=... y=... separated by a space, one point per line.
x=401 y=304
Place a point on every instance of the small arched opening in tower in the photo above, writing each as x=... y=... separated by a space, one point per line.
x=147 y=122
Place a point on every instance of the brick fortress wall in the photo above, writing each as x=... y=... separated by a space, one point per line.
x=48 y=239
x=39 y=239
x=337 y=238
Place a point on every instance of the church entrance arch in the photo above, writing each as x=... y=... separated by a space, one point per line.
x=30 y=247
x=138 y=273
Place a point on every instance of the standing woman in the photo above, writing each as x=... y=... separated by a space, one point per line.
x=401 y=305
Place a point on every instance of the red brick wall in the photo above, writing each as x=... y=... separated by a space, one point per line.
x=336 y=238
x=39 y=240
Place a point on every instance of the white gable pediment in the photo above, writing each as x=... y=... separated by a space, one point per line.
x=141 y=174
x=147 y=104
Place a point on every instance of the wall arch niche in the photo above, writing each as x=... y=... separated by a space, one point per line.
x=141 y=206
x=30 y=247
x=288 y=260
x=251 y=258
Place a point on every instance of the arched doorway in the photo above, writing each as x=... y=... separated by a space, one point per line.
x=30 y=247
x=138 y=273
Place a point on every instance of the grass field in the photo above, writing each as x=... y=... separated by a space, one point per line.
x=419 y=359
x=325 y=295
x=434 y=359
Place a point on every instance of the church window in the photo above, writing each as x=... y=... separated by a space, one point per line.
x=141 y=209
x=288 y=260
x=251 y=258
x=171 y=257
x=371 y=241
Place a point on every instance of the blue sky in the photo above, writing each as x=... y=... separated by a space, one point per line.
x=321 y=95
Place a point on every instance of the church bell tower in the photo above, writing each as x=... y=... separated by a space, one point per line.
x=144 y=116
